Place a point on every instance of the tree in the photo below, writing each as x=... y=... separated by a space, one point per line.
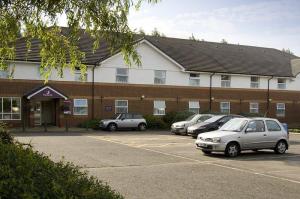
x=224 y=41
x=287 y=51
x=156 y=33
x=38 y=19
x=141 y=32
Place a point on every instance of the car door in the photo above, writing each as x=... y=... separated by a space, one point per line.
x=254 y=136
x=128 y=121
x=121 y=122
x=274 y=133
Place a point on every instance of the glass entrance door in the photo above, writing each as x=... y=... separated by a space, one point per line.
x=37 y=114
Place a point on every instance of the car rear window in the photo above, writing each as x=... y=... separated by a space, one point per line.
x=137 y=116
x=272 y=125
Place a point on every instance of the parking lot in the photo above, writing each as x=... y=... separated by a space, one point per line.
x=160 y=165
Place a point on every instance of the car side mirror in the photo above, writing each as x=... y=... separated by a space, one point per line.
x=249 y=130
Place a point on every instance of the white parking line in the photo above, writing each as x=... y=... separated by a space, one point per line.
x=214 y=163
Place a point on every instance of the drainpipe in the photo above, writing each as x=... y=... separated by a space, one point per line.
x=93 y=91
x=210 y=91
x=268 y=96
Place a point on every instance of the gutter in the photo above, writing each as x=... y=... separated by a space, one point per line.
x=268 y=96
x=210 y=91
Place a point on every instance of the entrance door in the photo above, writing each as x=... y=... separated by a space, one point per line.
x=37 y=114
x=48 y=112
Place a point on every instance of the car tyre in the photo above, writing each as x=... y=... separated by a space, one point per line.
x=142 y=127
x=112 y=127
x=232 y=150
x=281 y=147
x=206 y=152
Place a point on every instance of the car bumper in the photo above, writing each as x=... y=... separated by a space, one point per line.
x=178 y=130
x=210 y=146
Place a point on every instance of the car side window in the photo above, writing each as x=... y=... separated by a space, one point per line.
x=136 y=116
x=128 y=116
x=272 y=125
x=256 y=126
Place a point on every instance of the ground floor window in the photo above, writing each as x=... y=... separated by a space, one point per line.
x=225 y=107
x=121 y=106
x=254 y=107
x=159 y=107
x=280 y=109
x=194 y=106
x=10 y=108
x=80 y=107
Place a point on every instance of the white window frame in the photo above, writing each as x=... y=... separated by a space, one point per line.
x=194 y=105
x=11 y=112
x=280 y=107
x=85 y=106
x=118 y=106
x=122 y=75
x=281 y=85
x=4 y=74
x=222 y=107
x=254 y=84
x=159 y=110
x=254 y=107
x=77 y=76
x=162 y=79
x=226 y=83
x=194 y=79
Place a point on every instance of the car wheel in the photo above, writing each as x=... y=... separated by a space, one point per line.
x=232 y=150
x=280 y=147
x=112 y=127
x=206 y=152
x=142 y=127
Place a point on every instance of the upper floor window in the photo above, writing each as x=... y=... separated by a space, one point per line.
x=159 y=107
x=194 y=106
x=122 y=75
x=78 y=76
x=225 y=81
x=121 y=106
x=225 y=107
x=254 y=107
x=194 y=79
x=281 y=83
x=3 y=74
x=10 y=108
x=254 y=82
x=280 y=109
x=159 y=77
x=80 y=107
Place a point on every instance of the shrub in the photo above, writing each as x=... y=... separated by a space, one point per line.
x=5 y=137
x=252 y=114
x=155 y=122
x=25 y=173
x=172 y=117
x=92 y=124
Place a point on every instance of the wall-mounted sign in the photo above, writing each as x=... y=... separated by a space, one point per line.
x=67 y=108
x=108 y=108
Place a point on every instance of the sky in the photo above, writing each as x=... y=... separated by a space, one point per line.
x=266 y=23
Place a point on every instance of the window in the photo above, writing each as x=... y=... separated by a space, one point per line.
x=225 y=107
x=122 y=75
x=78 y=76
x=254 y=82
x=280 y=109
x=10 y=108
x=121 y=106
x=80 y=107
x=272 y=125
x=254 y=107
x=225 y=81
x=159 y=107
x=159 y=77
x=256 y=126
x=194 y=106
x=194 y=79
x=281 y=83
x=3 y=74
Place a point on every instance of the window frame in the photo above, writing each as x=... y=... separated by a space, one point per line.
x=11 y=112
x=158 y=108
x=281 y=85
x=194 y=78
x=225 y=109
x=251 y=108
x=4 y=74
x=117 y=106
x=277 y=109
x=196 y=107
x=225 y=83
x=254 y=84
x=87 y=107
x=122 y=75
x=163 y=78
x=265 y=127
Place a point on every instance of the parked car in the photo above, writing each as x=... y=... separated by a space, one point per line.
x=124 y=121
x=245 y=134
x=181 y=127
x=211 y=124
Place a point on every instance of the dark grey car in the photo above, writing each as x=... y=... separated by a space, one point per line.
x=124 y=121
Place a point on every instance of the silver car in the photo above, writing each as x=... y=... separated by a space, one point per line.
x=245 y=134
x=124 y=121
x=182 y=126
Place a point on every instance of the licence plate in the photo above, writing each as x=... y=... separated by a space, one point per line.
x=202 y=145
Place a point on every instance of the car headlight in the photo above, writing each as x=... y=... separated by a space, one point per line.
x=216 y=140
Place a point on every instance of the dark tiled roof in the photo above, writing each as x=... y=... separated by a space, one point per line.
x=192 y=55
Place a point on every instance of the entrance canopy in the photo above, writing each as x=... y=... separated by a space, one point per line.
x=46 y=92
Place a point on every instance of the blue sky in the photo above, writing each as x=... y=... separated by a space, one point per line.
x=267 y=23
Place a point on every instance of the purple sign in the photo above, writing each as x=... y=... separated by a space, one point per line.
x=47 y=92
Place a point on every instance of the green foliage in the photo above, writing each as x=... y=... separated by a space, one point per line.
x=92 y=124
x=155 y=122
x=156 y=33
x=252 y=114
x=5 y=137
x=172 y=117
x=103 y=20
x=25 y=173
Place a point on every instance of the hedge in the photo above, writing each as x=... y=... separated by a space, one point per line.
x=25 y=173
x=92 y=124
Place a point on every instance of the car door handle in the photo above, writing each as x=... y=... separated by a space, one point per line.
x=265 y=134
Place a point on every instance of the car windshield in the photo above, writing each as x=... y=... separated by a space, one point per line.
x=115 y=116
x=213 y=119
x=236 y=125
x=190 y=118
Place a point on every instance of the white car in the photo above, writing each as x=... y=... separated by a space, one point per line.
x=245 y=134
x=181 y=127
